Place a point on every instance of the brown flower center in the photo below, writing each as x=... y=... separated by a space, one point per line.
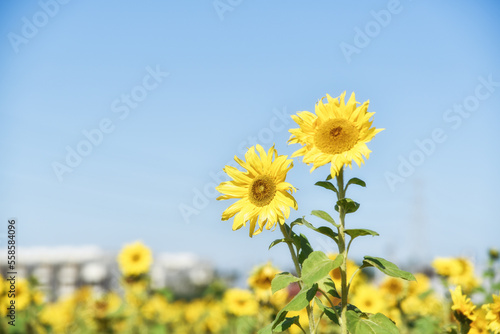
x=336 y=136
x=262 y=191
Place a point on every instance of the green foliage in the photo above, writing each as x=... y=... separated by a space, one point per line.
x=317 y=266
x=361 y=323
x=299 y=302
x=325 y=230
x=324 y=215
x=426 y=325
x=359 y=232
x=328 y=286
x=275 y=242
x=356 y=181
x=282 y=280
x=330 y=312
x=386 y=267
x=305 y=247
x=347 y=204
x=286 y=323
x=327 y=185
x=302 y=299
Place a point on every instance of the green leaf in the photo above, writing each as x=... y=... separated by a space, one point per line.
x=357 y=181
x=302 y=299
x=317 y=266
x=295 y=239
x=328 y=285
x=329 y=177
x=371 y=324
x=305 y=248
x=426 y=325
x=297 y=221
x=324 y=215
x=282 y=280
x=279 y=318
x=359 y=232
x=267 y=330
x=327 y=185
x=387 y=268
x=299 y=302
x=325 y=230
x=245 y=324
x=348 y=204
x=275 y=242
x=285 y=324
x=329 y=312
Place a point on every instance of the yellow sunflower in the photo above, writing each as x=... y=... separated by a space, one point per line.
x=480 y=325
x=23 y=294
x=458 y=271
x=106 y=305
x=240 y=302
x=493 y=315
x=421 y=284
x=265 y=197
x=155 y=308
x=369 y=299
x=394 y=287
x=135 y=259
x=262 y=277
x=337 y=133
x=462 y=305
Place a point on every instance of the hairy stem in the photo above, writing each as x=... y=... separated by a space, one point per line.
x=343 y=252
x=289 y=242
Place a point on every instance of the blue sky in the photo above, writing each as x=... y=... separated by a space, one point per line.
x=227 y=75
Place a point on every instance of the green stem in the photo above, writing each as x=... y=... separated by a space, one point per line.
x=328 y=298
x=289 y=242
x=343 y=252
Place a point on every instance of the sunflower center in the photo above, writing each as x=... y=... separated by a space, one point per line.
x=262 y=191
x=336 y=136
x=136 y=257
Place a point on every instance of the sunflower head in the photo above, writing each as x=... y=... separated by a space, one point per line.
x=337 y=133
x=462 y=306
x=264 y=196
x=240 y=302
x=106 y=305
x=493 y=314
x=262 y=276
x=135 y=259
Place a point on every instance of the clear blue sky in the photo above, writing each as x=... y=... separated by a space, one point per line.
x=232 y=67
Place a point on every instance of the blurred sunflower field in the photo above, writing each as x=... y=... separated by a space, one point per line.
x=448 y=297
x=324 y=293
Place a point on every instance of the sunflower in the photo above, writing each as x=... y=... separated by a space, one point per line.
x=462 y=305
x=240 y=302
x=421 y=284
x=393 y=287
x=265 y=197
x=458 y=271
x=262 y=276
x=106 y=305
x=446 y=266
x=337 y=133
x=155 y=308
x=369 y=299
x=493 y=315
x=23 y=294
x=480 y=325
x=60 y=316
x=135 y=259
